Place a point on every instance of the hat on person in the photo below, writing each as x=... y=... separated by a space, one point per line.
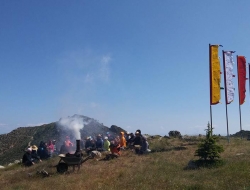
x=105 y=137
x=138 y=130
x=34 y=147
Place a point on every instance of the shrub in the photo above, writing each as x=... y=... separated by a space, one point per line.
x=208 y=149
x=175 y=134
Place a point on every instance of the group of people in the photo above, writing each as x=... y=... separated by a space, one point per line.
x=136 y=141
x=35 y=154
x=113 y=144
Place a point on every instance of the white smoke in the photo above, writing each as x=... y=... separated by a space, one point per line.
x=73 y=124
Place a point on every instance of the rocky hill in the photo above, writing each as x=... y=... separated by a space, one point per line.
x=13 y=144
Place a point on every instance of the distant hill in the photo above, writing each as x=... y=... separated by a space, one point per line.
x=13 y=144
x=244 y=134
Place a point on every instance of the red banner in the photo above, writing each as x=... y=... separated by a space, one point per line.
x=241 y=78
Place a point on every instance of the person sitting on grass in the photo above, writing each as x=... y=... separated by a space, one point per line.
x=91 y=146
x=34 y=156
x=106 y=144
x=43 y=151
x=27 y=159
x=68 y=144
x=122 y=140
x=137 y=143
x=50 y=148
x=130 y=141
x=115 y=147
x=99 y=143
x=145 y=146
x=87 y=142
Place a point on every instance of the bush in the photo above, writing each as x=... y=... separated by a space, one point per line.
x=174 y=134
x=208 y=149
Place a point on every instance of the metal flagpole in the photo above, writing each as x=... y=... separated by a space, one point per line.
x=239 y=97
x=225 y=86
x=249 y=77
x=210 y=80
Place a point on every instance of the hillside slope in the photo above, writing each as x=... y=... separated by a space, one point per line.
x=13 y=144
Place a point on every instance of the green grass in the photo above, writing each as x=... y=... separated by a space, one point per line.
x=164 y=169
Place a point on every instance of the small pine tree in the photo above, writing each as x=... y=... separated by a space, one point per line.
x=208 y=149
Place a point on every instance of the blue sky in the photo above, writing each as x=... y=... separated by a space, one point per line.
x=136 y=64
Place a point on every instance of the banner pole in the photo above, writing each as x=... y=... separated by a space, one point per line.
x=225 y=86
x=239 y=98
x=210 y=78
x=249 y=77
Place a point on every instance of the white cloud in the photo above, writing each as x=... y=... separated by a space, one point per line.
x=104 y=71
x=93 y=105
x=3 y=124
x=88 y=78
x=162 y=128
x=85 y=66
x=81 y=74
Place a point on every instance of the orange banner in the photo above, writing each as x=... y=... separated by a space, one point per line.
x=214 y=75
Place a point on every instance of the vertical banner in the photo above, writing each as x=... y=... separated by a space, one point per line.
x=229 y=76
x=241 y=78
x=214 y=75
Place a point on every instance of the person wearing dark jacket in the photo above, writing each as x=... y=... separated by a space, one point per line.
x=34 y=154
x=27 y=159
x=43 y=151
x=91 y=146
x=87 y=142
x=137 y=142
x=145 y=144
x=99 y=143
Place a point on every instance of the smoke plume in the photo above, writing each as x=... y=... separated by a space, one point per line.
x=73 y=124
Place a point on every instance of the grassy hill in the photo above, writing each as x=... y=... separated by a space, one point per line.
x=13 y=144
x=164 y=168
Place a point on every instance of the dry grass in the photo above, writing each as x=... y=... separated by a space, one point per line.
x=158 y=170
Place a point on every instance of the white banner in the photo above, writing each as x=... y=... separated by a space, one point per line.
x=229 y=76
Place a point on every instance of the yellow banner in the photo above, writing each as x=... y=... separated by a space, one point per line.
x=214 y=75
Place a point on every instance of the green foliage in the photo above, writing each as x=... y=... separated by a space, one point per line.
x=159 y=145
x=208 y=149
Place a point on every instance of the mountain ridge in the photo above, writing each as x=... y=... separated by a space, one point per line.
x=14 y=143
